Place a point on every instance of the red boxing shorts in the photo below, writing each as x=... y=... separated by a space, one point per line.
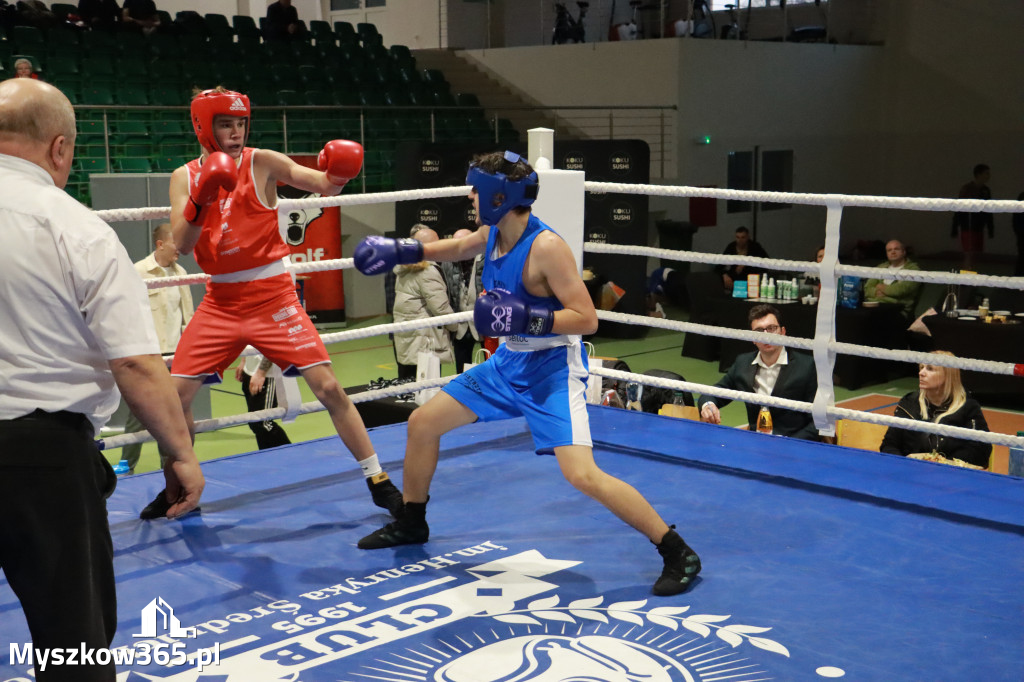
x=263 y=313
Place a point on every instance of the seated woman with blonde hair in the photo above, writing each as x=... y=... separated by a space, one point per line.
x=941 y=399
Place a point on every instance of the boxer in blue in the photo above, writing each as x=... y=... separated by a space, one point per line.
x=537 y=303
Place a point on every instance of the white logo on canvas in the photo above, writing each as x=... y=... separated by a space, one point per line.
x=158 y=608
x=237 y=105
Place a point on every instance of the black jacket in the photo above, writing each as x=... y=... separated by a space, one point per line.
x=904 y=442
x=797 y=381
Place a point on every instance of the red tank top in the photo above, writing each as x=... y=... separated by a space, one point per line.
x=239 y=231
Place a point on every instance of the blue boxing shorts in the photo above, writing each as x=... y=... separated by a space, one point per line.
x=547 y=387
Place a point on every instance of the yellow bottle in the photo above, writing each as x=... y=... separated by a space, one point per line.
x=764 y=420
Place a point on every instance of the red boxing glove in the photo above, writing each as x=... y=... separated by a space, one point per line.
x=218 y=172
x=341 y=160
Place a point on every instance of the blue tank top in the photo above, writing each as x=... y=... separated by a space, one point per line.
x=505 y=274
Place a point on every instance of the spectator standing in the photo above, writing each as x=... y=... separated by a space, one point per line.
x=771 y=370
x=972 y=226
x=420 y=292
x=283 y=22
x=171 y=309
x=260 y=391
x=141 y=13
x=742 y=246
x=940 y=399
x=885 y=289
x=99 y=14
x=70 y=305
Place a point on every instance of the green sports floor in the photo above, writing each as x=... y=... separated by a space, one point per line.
x=358 y=362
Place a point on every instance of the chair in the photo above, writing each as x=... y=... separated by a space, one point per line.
x=859 y=435
x=97 y=66
x=346 y=33
x=246 y=29
x=132 y=165
x=130 y=94
x=98 y=43
x=704 y=290
x=27 y=39
x=322 y=33
x=97 y=93
x=218 y=27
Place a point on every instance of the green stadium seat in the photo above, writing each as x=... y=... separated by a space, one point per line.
x=97 y=93
x=131 y=94
x=27 y=39
x=218 y=26
x=98 y=43
x=94 y=165
x=98 y=66
x=246 y=31
x=133 y=165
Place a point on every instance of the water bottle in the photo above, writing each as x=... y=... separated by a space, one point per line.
x=121 y=467
x=949 y=304
x=764 y=420
x=677 y=398
x=634 y=391
x=611 y=398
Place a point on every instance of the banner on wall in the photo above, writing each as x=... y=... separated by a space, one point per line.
x=314 y=234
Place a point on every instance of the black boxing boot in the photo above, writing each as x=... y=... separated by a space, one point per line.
x=385 y=494
x=681 y=565
x=408 y=528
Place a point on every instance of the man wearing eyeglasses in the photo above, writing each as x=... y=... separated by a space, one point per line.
x=772 y=370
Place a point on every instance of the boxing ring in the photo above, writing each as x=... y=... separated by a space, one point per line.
x=820 y=562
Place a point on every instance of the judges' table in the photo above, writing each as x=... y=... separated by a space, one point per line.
x=973 y=338
x=882 y=326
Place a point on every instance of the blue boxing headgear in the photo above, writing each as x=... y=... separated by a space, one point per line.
x=497 y=194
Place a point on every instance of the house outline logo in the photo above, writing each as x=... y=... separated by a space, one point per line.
x=159 y=611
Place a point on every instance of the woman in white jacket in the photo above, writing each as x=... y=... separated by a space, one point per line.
x=421 y=292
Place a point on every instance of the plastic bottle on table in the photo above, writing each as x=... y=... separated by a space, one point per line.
x=764 y=420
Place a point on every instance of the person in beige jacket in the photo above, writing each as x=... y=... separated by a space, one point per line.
x=171 y=307
x=421 y=292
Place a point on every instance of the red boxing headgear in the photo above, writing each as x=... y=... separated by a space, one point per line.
x=210 y=103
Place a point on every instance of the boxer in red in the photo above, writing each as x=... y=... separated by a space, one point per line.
x=224 y=209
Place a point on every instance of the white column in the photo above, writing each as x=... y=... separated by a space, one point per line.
x=560 y=200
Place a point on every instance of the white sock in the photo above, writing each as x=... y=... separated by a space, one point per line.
x=370 y=466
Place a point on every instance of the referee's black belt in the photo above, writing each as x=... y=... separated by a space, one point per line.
x=72 y=420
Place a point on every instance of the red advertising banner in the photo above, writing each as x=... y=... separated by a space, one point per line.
x=314 y=234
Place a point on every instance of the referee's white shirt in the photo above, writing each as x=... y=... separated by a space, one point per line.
x=70 y=300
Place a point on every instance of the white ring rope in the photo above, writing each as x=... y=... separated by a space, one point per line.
x=832 y=201
x=807 y=266
x=991 y=366
x=912 y=203
x=277 y=412
x=116 y=215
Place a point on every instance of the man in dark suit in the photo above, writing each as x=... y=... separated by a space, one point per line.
x=772 y=370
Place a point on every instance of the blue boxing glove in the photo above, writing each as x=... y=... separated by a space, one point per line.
x=502 y=314
x=376 y=255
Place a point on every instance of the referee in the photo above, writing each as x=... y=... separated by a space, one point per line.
x=74 y=321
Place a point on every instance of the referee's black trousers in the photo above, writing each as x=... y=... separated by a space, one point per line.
x=55 y=546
